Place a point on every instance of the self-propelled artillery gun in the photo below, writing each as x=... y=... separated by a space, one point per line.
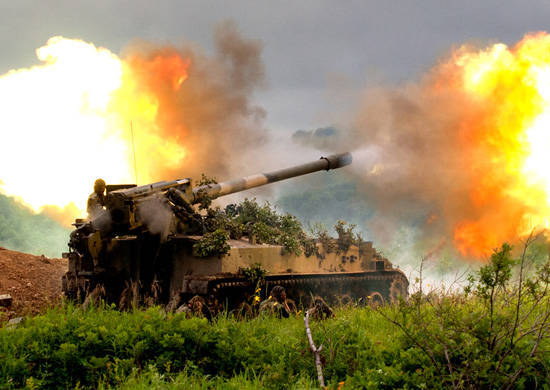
x=142 y=244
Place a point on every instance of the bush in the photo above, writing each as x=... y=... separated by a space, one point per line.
x=321 y=234
x=212 y=244
x=204 y=200
x=70 y=347
x=265 y=226
x=269 y=227
x=494 y=334
x=346 y=236
x=253 y=274
x=432 y=340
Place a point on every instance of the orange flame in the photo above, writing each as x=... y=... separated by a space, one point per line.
x=506 y=146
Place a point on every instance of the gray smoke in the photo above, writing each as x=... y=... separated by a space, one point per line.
x=409 y=170
x=156 y=215
x=211 y=115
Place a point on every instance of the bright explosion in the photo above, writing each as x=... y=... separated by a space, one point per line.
x=84 y=113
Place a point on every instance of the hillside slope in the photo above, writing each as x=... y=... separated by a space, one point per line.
x=34 y=282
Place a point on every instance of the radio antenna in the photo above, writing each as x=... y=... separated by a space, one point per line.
x=134 y=150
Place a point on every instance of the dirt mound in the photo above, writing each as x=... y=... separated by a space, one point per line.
x=34 y=282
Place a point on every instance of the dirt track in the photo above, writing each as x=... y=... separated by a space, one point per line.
x=34 y=282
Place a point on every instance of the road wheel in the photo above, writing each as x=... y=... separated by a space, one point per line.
x=344 y=299
x=375 y=299
x=397 y=290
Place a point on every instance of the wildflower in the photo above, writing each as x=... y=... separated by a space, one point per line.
x=340 y=385
x=256 y=299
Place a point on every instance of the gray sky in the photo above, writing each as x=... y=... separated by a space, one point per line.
x=318 y=54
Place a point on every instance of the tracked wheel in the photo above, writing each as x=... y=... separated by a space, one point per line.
x=344 y=299
x=398 y=289
x=375 y=299
x=365 y=288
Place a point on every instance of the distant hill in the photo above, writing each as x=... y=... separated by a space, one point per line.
x=326 y=199
x=23 y=230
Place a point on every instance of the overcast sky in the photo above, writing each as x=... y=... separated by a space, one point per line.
x=318 y=54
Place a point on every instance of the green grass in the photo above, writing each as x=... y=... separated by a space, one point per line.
x=152 y=379
x=69 y=347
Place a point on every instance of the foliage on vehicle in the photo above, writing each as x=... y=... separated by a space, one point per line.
x=320 y=232
x=254 y=273
x=262 y=224
x=204 y=200
x=346 y=236
x=212 y=244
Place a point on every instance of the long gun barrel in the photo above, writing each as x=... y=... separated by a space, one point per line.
x=122 y=204
x=229 y=187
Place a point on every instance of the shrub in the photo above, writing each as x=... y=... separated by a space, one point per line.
x=321 y=234
x=433 y=340
x=269 y=227
x=212 y=244
x=494 y=334
x=204 y=200
x=253 y=274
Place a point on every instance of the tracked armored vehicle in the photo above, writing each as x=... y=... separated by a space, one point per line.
x=142 y=246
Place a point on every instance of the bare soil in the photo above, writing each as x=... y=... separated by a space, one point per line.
x=34 y=282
